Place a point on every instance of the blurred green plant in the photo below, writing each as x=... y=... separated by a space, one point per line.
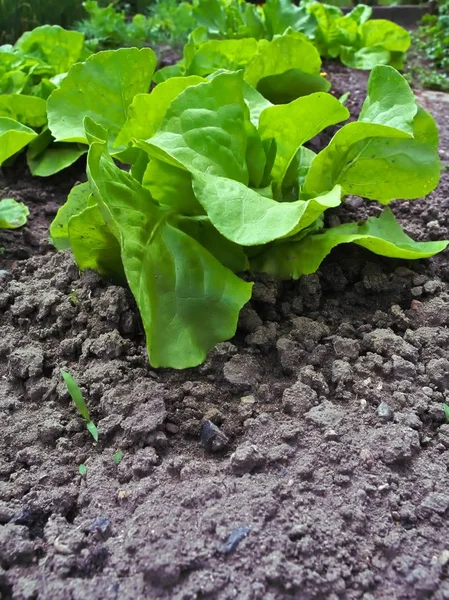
x=112 y=26
x=429 y=60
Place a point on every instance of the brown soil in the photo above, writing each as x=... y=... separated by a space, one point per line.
x=307 y=458
x=43 y=196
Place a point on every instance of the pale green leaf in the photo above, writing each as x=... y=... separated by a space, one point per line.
x=171 y=186
x=378 y=162
x=389 y=35
x=293 y=124
x=178 y=285
x=146 y=112
x=204 y=129
x=222 y=54
x=282 y=54
x=381 y=235
x=247 y=218
x=389 y=100
x=255 y=102
x=13 y=214
x=52 y=45
x=76 y=202
x=54 y=159
x=29 y=110
x=365 y=58
x=101 y=88
x=93 y=244
x=285 y=87
x=13 y=137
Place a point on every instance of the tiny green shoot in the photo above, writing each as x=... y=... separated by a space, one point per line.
x=82 y=470
x=73 y=297
x=80 y=403
x=344 y=98
x=118 y=457
x=446 y=411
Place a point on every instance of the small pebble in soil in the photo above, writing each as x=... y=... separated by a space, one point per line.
x=101 y=524
x=384 y=412
x=246 y=458
x=234 y=539
x=212 y=438
x=171 y=428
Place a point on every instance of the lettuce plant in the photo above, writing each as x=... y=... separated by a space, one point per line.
x=221 y=183
x=282 y=70
x=358 y=41
x=29 y=71
x=106 y=27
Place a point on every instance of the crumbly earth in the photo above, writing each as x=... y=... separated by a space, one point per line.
x=307 y=458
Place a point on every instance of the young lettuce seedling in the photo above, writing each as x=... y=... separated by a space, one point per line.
x=80 y=403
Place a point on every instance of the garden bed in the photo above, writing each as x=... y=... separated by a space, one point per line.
x=329 y=469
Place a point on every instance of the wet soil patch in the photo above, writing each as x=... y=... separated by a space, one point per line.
x=307 y=458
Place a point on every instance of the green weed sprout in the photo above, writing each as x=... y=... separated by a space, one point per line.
x=446 y=411
x=80 y=403
x=118 y=457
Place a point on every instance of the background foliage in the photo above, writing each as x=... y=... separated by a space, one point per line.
x=429 y=59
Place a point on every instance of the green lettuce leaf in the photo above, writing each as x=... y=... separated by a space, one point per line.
x=28 y=110
x=389 y=35
x=54 y=159
x=178 y=285
x=380 y=42
x=13 y=214
x=171 y=186
x=93 y=245
x=247 y=218
x=222 y=54
x=52 y=45
x=102 y=88
x=282 y=14
x=286 y=68
x=292 y=125
x=230 y=255
x=12 y=82
x=389 y=101
x=377 y=161
x=13 y=137
x=211 y=14
x=255 y=102
x=382 y=235
x=166 y=73
x=204 y=129
x=328 y=36
x=360 y=14
x=146 y=111
x=365 y=58
x=77 y=201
